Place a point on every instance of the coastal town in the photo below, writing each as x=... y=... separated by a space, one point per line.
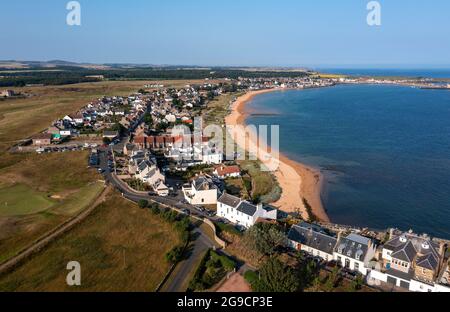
x=149 y=147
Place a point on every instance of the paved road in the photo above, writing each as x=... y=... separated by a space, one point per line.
x=185 y=268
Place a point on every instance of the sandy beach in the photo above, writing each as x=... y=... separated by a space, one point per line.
x=296 y=180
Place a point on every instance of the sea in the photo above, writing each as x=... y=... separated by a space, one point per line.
x=384 y=151
x=436 y=73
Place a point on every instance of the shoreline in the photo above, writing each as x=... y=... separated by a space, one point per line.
x=296 y=180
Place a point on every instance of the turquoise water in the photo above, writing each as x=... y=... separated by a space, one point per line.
x=384 y=150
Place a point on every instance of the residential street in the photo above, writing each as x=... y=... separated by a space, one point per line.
x=201 y=242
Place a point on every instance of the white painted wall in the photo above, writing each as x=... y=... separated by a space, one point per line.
x=417 y=286
x=362 y=269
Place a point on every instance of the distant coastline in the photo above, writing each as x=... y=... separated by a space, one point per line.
x=296 y=180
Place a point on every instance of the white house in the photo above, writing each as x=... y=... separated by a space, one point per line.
x=354 y=252
x=313 y=240
x=242 y=212
x=202 y=191
x=171 y=118
x=211 y=156
x=161 y=189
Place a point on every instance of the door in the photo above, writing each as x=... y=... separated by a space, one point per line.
x=392 y=280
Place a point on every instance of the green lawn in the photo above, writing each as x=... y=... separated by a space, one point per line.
x=20 y=200
x=80 y=200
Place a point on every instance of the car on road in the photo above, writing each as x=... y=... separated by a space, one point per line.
x=198 y=208
x=186 y=211
x=210 y=213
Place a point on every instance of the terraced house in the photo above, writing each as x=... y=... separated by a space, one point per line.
x=354 y=252
x=312 y=239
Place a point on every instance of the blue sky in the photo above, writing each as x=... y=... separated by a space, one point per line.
x=314 y=33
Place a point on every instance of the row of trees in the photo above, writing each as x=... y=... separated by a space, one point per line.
x=275 y=275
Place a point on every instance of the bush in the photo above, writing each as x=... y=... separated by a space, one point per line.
x=251 y=277
x=211 y=270
x=175 y=255
x=276 y=276
x=228 y=228
x=170 y=216
x=143 y=204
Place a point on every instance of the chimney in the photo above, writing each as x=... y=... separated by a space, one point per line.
x=391 y=233
x=442 y=246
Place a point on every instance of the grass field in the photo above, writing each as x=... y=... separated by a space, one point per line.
x=20 y=200
x=120 y=248
x=39 y=192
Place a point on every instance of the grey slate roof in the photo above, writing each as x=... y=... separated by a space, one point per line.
x=247 y=208
x=229 y=200
x=428 y=262
x=409 y=246
x=405 y=252
x=353 y=246
x=203 y=184
x=312 y=236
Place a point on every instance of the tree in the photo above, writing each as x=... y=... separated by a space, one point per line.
x=143 y=204
x=265 y=238
x=307 y=271
x=275 y=276
x=148 y=120
x=175 y=255
x=119 y=128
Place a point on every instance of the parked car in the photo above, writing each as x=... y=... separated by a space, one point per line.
x=198 y=208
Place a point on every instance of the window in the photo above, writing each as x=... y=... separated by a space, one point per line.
x=356 y=266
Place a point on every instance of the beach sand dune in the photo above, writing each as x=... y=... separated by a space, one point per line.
x=296 y=180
